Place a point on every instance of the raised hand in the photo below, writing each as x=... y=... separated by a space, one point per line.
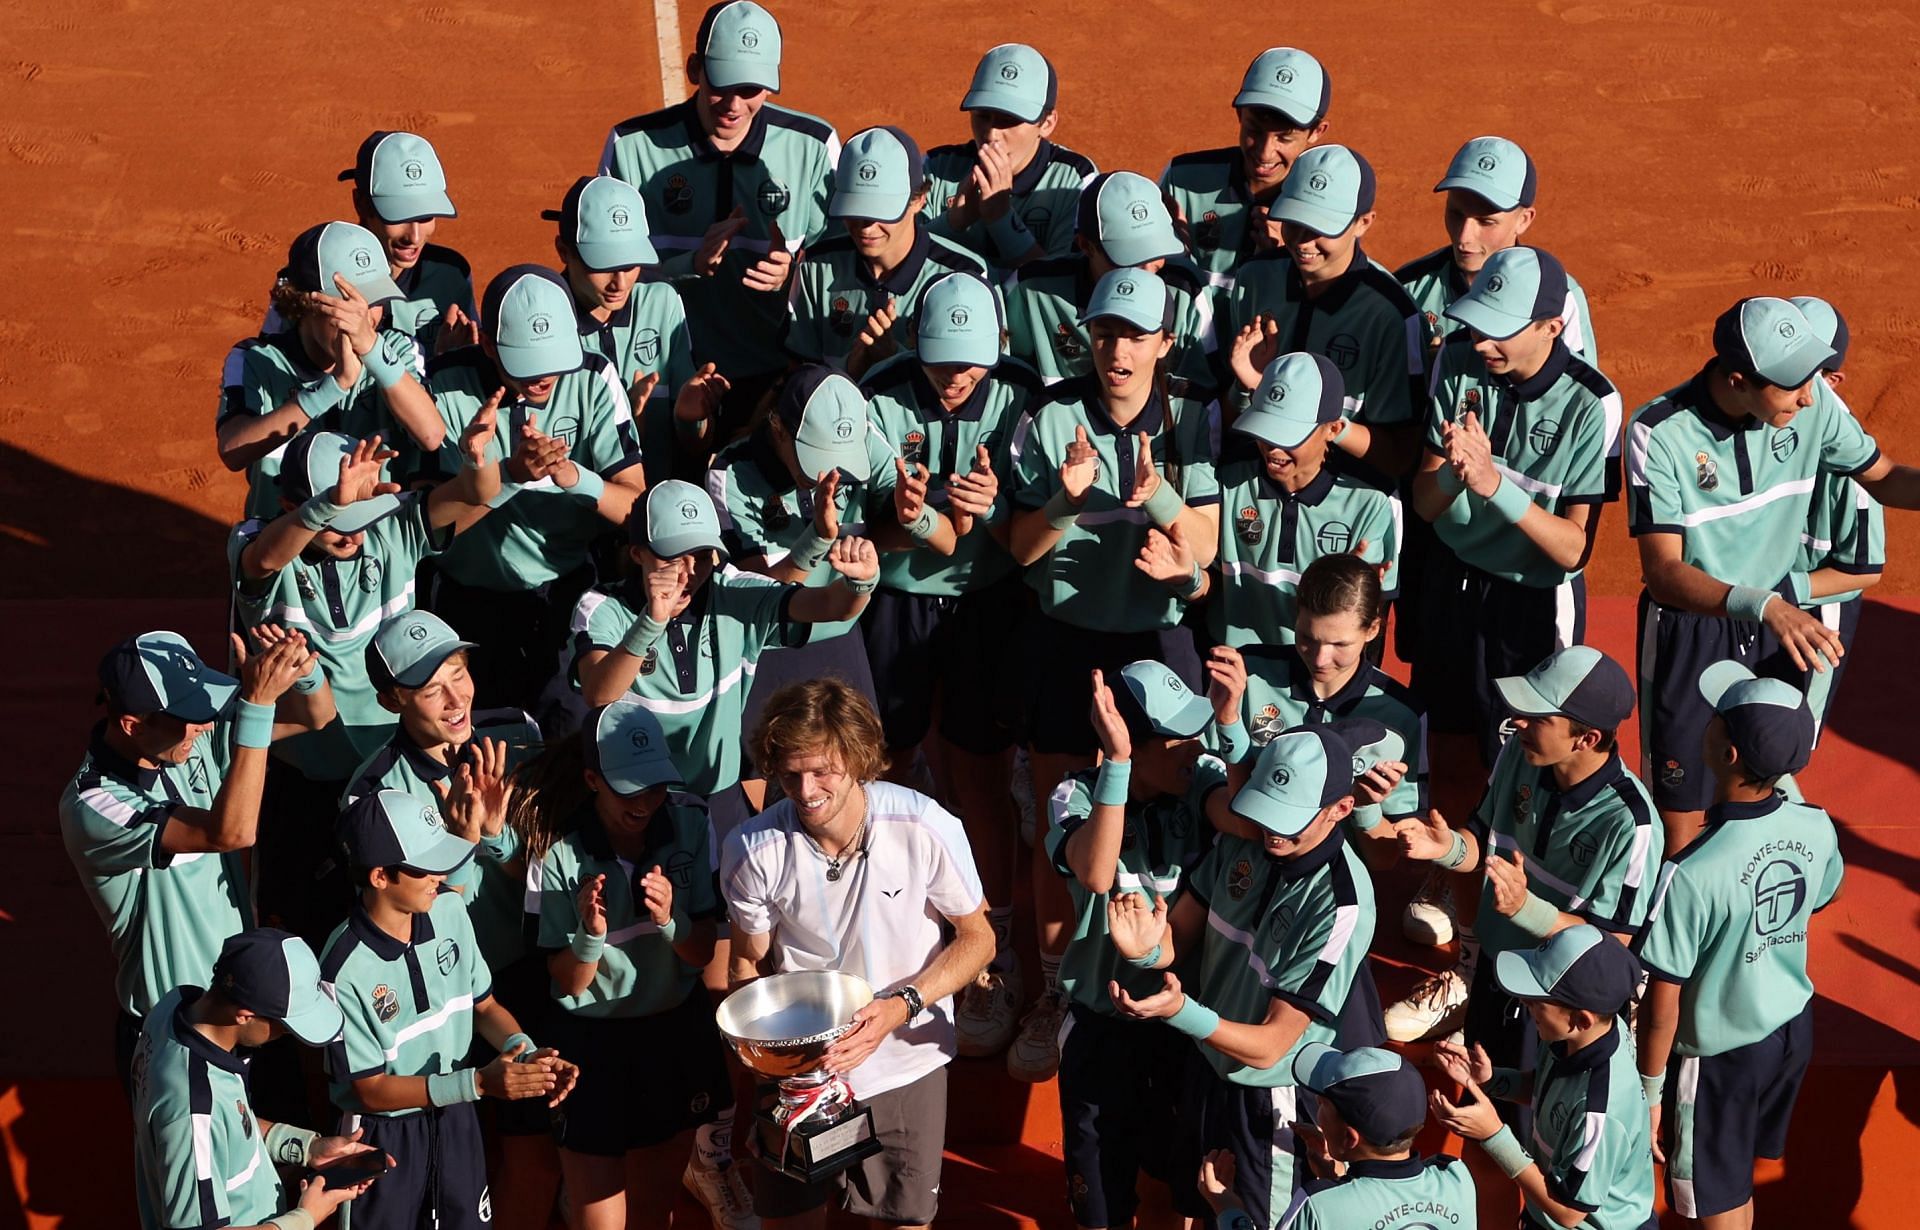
x=360 y=473
x=992 y=181
x=909 y=491
x=1425 y=839
x=769 y=273
x=666 y=582
x=1377 y=783
x=1226 y=682
x=1146 y=479
x=700 y=397
x=537 y=455
x=972 y=494
x=854 y=559
x=1116 y=743
x=1462 y=1065
x=656 y=897
x=457 y=330
x=481 y=787
x=590 y=902
x=719 y=237
x=1472 y=1117
x=826 y=509
x=1135 y=927
x=1081 y=468
x=1256 y=345
x=282 y=661
x=876 y=341
x=349 y=313
x=480 y=433
x=1508 y=880
x=1165 y=556
x=1157 y=1006
x=1471 y=454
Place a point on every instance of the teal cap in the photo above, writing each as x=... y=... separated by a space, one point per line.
x=274 y=973
x=1013 y=79
x=827 y=417
x=1828 y=325
x=957 y=323
x=1133 y=295
x=1287 y=80
x=739 y=47
x=391 y=828
x=1578 y=682
x=1298 y=392
x=1125 y=214
x=879 y=170
x=1769 y=338
x=1516 y=287
x=1379 y=1094
x=605 y=222
x=1328 y=187
x=528 y=312
x=158 y=672
x=1154 y=700
x=1310 y=768
x=1493 y=169
x=343 y=248
x=1768 y=721
x=627 y=748
x=675 y=518
x=312 y=465
x=1581 y=967
x=402 y=177
x=409 y=648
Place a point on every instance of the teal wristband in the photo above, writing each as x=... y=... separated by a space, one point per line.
x=862 y=587
x=1149 y=961
x=1164 y=505
x=1507 y=1152
x=1509 y=501
x=1010 y=235
x=1060 y=511
x=310 y=682
x=1191 y=590
x=1653 y=1086
x=386 y=373
x=672 y=928
x=1536 y=917
x=1503 y=1084
x=318 y=511
x=1748 y=602
x=292 y=1219
x=1195 y=1019
x=453 y=1088
x=516 y=1039
x=319 y=396
x=587 y=948
x=812 y=551
x=586 y=484
x=253 y=725
x=287 y=1145
x=1449 y=482
x=924 y=525
x=642 y=635
x=1455 y=855
x=1232 y=740
x=1110 y=783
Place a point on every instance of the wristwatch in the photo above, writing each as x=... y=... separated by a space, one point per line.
x=915 y=1005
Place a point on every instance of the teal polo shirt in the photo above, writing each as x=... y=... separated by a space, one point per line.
x=1292 y=929
x=1088 y=578
x=639 y=973
x=338 y=605
x=1044 y=302
x=1364 y=322
x=263 y=373
x=1435 y=283
x=1268 y=536
x=199 y=1157
x=781 y=174
x=647 y=336
x=834 y=292
x=1737 y=491
x=905 y=410
x=1591 y=1133
x=1729 y=917
x=1846 y=531
x=168 y=914
x=1210 y=188
x=408 y=1003
x=1165 y=837
x=1591 y=851
x=696 y=677
x=1280 y=696
x=540 y=532
x=1046 y=196
x=1414 y=1193
x=1556 y=435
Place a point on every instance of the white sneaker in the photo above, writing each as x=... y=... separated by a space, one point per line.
x=1437 y=1006
x=1428 y=918
x=1021 y=784
x=1035 y=1054
x=988 y=1011
x=728 y=1200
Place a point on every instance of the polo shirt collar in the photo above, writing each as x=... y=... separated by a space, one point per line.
x=1301 y=683
x=1535 y=386
x=702 y=145
x=766 y=459
x=1151 y=416
x=1746 y=811
x=591 y=326
x=1411 y=1167
x=1723 y=426
x=1595 y=1054
x=971 y=410
x=1335 y=296
x=899 y=281
x=383 y=945
x=118 y=767
x=1311 y=495
x=1587 y=788
x=1301 y=866
x=198 y=1043
x=426 y=766
x=1029 y=179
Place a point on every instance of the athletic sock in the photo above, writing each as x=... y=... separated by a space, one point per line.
x=713 y=1142
x=1050 y=971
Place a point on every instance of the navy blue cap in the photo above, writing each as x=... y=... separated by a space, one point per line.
x=391 y=828
x=1578 y=682
x=1769 y=338
x=275 y=974
x=1581 y=967
x=1379 y=1094
x=1768 y=721
x=158 y=672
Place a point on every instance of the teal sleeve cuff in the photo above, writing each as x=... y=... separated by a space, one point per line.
x=1164 y=505
x=317 y=511
x=500 y=846
x=253 y=725
x=587 y=948
x=1536 y=917
x=385 y=372
x=1195 y=1019
x=1232 y=740
x=812 y=551
x=586 y=484
x=319 y=396
x=1509 y=501
x=1747 y=602
x=1507 y=1152
x=1060 y=511
x=671 y=931
x=1455 y=855
x=1800 y=587
x=453 y=1088
x=1110 y=783
x=1448 y=481
x=642 y=635
x=1010 y=235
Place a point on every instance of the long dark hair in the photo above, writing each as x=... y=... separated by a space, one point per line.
x=549 y=793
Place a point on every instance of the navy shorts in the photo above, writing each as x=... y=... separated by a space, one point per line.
x=1675 y=646
x=524 y=988
x=1117 y=1092
x=1821 y=686
x=1058 y=661
x=643 y=1079
x=842 y=657
x=1255 y=1124
x=952 y=654
x=1720 y=1112
x=1474 y=627
x=439 y=1176
x=899 y=1184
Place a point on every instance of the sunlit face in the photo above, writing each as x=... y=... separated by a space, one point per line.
x=1307 y=838
x=1520 y=355
x=1018 y=138
x=1320 y=257
x=403 y=241
x=1773 y=404
x=1332 y=645
x=1124 y=356
x=440 y=711
x=1270 y=144
x=624 y=816
x=164 y=739
x=953 y=383
x=409 y=892
x=818 y=785
x=726 y=115
x=1477 y=230
x=1301 y=462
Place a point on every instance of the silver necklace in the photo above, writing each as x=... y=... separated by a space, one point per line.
x=836 y=862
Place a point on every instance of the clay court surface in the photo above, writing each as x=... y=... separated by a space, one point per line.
x=155 y=159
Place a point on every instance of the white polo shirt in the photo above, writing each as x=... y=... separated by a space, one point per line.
x=881 y=919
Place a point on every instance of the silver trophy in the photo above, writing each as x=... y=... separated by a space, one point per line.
x=809 y=1126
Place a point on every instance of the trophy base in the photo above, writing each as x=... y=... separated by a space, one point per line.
x=815 y=1151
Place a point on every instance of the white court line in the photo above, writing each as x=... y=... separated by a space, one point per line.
x=666 y=36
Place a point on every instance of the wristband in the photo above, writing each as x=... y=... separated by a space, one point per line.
x=453 y=1088
x=672 y=929
x=386 y=373
x=1191 y=589
x=292 y=1219
x=1536 y=917
x=320 y=396
x=1653 y=1086
x=1060 y=510
x=1233 y=1219
x=1456 y=854
x=587 y=948
x=1195 y=1019
x=1449 y=483
x=311 y=681
x=318 y=511
x=515 y=1039
x=288 y=1145
x=1232 y=740
x=1747 y=602
x=508 y=489
x=865 y=586
x=253 y=725
x=1010 y=235
x=1503 y=1084
x=1509 y=501
x=1367 y=816
x=641 y=636
x=925 y=524
x=1164 y=505
x=586 y=484
x=812 y=551
x=1507 y=1152
x=1149 y=961
x=1110 y=783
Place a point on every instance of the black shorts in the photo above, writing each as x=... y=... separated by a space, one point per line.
x=1058 y=660
x=842 y=657
x=899 y=1184
x=1720 y=1112
x=953 y=654
x=1674 y=647
x=643 y=1079
x=1118 y=1082
x=1255 y=1124
x=524 y=989
x=439 y=1176
x=1472 y=627
x=519 y=635
x=1821 y=686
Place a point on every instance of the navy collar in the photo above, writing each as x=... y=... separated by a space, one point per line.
x=426 y=766
x=1335 y=296
x=116 y=766
x=971 y=410
x=1584 y=791
x=1410 y=1167
x=1698 y=394
x=198 y=1043
x=1310 y=495
x=591 y=326
x=383 y=945
x=1150 y=419
x=1029 y=179
x=1536 y=385
x=702 y=145
x=899 y=281
x=1595 y=1054
x=1301 y=866
x=1300 y=682
x=1746 y=811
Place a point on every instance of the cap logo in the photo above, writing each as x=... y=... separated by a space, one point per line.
x=1786 y=330
x=689 y=511
x=1318 y=181
x=1173 y=684
x=641 y=740
x=1284 y=74
x=1487 y=162
x=362 y=259
x=749 y=39
x=1359 y=765
x=184 y=664
x=416 y=632
x=1276 y=393
x=413 y=170
x=867 y=172
x=620 y=216
x=1009 y=71
x=431 y=817
x=1123 y=288
x=1281 y=776
x=540 y=324
x=1495 y=284
x=958 y=318
x=843 y=430
x=1139 y=212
